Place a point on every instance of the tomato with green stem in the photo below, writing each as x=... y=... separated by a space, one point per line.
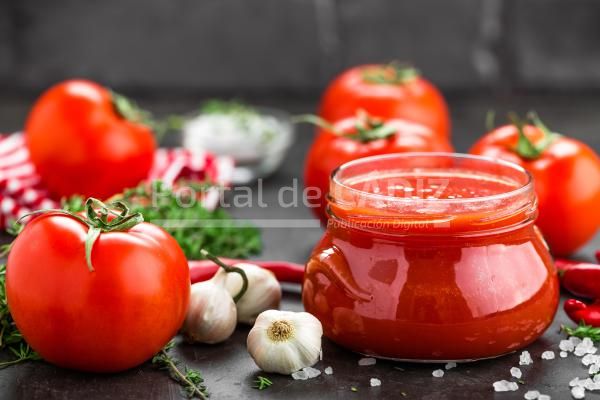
x=99 y=292
x=386 y=91
x=355 y=137
x=566 y=175
x=84 y=139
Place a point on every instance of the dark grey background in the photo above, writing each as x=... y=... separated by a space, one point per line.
x=171 y=54
x=296 y=46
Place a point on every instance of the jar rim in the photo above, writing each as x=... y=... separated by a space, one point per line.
x=524 y=188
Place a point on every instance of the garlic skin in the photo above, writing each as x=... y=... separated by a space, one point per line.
x=285 y=342
x=263 y=293
x=211 y=316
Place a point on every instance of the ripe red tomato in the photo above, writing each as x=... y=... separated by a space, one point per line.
x=386 y=91
x=109 y=319
x=345 y=142
x=80 y=144
x=566 y=173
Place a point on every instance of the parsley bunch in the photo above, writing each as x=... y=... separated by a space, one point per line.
x=193 y=226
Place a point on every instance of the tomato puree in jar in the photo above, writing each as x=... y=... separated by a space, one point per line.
x=431 y=257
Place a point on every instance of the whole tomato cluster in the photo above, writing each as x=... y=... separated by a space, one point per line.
x=399 y=111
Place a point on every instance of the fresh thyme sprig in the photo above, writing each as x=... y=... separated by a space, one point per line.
x=262 y=383
x=196 y=227
x=10 y=337
x=583 y=331
x=191 y=380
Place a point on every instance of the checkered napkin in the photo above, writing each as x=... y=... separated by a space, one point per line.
x=21 y=190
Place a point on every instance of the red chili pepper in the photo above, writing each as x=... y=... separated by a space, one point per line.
x=598 y=255
x=563 y=265
x=583 y=280
x=284 y=271
x=579 y=312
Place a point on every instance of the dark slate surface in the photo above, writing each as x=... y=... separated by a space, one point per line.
x=205 y=45
x=228 y=369
x=448 y=49
x=270 y=46
x=548 y=55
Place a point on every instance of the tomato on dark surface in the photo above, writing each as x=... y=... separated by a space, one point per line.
x=386 y=91
x=81 y=144
x=567 y=179
x=106 y=315
x=361 y=136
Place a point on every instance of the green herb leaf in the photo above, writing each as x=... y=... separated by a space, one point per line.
x=190 y=380
x=394 y=73
x=158 y=204
x=10 y=337
x=262 y=383
x=583 y=331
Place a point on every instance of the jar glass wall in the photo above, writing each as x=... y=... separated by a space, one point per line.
x=431 y=257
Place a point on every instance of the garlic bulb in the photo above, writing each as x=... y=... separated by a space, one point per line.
x=285 y=341
x=211 y=316
x=264 y=291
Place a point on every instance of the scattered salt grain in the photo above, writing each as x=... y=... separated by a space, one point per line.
x=328 y=371
x=590 y=359
x=563 y=354
x=566 y=345
x=575 y=340
x=365 y=362
x=450 y=365
x=311 y=372
x=574 y=382
x=548 y=355
x=585 y=347
x=375 y=382
x=531 y=395
x=438 y=373
x=578 y=392
x=525 y=358
x=544 y=397
x=300 y=375
x=594 y=369
x=505 y=386
x=306 y=373
x=516 y=373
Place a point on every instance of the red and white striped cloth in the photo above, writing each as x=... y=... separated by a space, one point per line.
x=22 y=191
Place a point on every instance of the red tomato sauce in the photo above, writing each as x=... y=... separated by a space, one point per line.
x=461 y=275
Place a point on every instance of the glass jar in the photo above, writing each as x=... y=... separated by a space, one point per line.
x=431 y=257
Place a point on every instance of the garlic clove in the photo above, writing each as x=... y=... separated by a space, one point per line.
x=211 y=316
x=285 y=342
x=263 y=293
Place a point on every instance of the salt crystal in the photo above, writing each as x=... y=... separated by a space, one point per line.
x=532 y=395
x=543 y=397
x=563 y=354
x=578 y=392
x=566 y=345
x=438 y=373
x=586 y=383
x=365 y=362
x=585 y=347
x=375 y=382
x=311 y=372
x=300 y=375
x=328 y=371
x=594 y=369
x=592 y=386
x=525 y=358
x=548 y=355
x=450 y=365
x=516 y=372
x=597 y=378
x=505 y=386
x=590 y=359
x=575 y=340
